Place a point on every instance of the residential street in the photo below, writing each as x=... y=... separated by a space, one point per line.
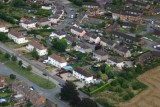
x=50 y=94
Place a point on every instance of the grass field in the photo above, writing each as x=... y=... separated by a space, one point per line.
x=41 y=82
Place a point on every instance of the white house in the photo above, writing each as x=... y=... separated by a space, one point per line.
x=41 y=50
x=29 y=24
x=17 y=37
x=57 y=61
x=83 y=75
x=77 y=31
x=58 y=34
x=3 y=29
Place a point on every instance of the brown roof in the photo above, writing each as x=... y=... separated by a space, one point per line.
x=82 y=71
x=16 y=33
x=37 y=45
x=57 y=58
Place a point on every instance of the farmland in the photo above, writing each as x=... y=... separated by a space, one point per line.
x=150 y=97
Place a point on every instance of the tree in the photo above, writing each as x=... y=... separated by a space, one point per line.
x=138 y=68
x=49 y=51
x=68 y=91
x=74 y=43
x=29 y=68
x=18 y=3
x=59 y=44
x=132 y=30
x=12 y=76
x=14 y=58
x=103 y=68
x=20 y=63
x=3 y=37
x=34 y=54
x=86 y=102
x=104 y=77
x=29 y=103
x=7 y=55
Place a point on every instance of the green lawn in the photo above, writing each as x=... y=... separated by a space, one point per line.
x=41 y=82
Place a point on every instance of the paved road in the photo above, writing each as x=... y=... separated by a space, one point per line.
x=68 y=19
x=50 y=94
x=38 y=70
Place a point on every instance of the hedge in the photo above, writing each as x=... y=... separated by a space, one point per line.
x=101 y=88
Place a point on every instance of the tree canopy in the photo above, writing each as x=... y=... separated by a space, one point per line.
x=59 y=44
x=86 y=102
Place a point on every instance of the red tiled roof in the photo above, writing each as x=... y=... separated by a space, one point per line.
x=57 y=58
x=37 y=45
x=16 y=33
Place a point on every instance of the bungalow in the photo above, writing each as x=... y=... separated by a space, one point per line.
x=77 y=31
x=107 y=43
x=57 y=61
x=17 y=37
x=44 y=21
x=41 y=50
x=20 y=87
x=126 y=37
x=91 y=5
x=93 y=38
x=100 y=55
x=82 y=47
x=83 y=75
x=127 y=16
x=115 y=61
x=28 y=24
x=57 y=33
x=3 y=28
x=122 y=51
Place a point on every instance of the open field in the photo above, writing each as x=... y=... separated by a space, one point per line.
x=151 y=96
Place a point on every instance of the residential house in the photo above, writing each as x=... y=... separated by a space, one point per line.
x=83 y=75
x=44 y=21
x=82 y=47
x=129 y=25
x=133 y=11
x=57 y=61
x=22 y=88
x=122 y=51
x=3 y=28
x=54 y=18
x=58 y=34
x=91 y=5
x=126 y=37
x=92 y=37
x=138 y=3
x=115 y=61
x=77 y=31
x=100 y=55
x=108 y=44
x=17 y=37
x=41 y=50
x=127 y=17
x=28 y=24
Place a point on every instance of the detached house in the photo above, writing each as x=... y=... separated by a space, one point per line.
x=41 y=50
x=77 y=31
x=57 y=61
x=59 y=34
x=28 y=24
x=100 y=55
x=83 y=75
x=17 y=37
x=3 y=28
